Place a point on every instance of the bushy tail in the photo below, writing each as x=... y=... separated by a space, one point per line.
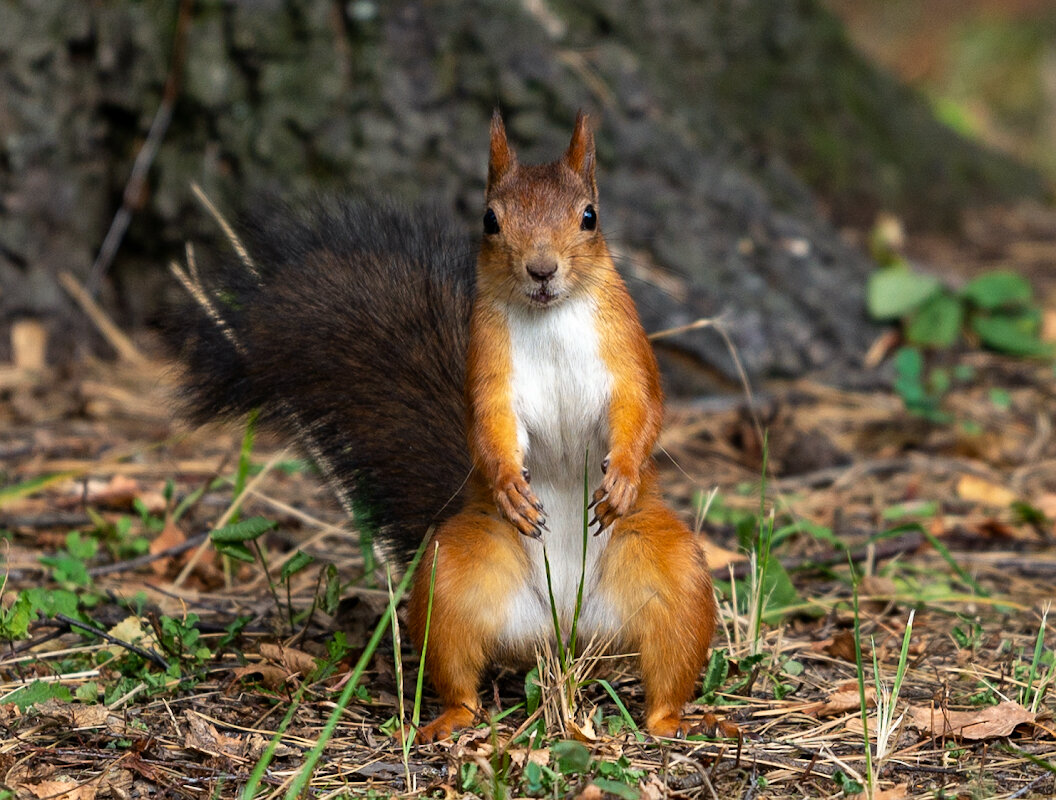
x=346 y=325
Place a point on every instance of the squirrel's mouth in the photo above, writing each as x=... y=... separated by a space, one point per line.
x=543 y=295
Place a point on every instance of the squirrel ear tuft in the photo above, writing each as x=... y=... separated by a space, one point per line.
x=580 y=154
x=501 y=159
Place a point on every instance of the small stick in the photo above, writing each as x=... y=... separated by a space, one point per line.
x=126 y=350
x=150 y=655
x=145 y=156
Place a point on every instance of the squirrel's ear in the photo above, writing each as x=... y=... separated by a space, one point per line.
x=501 y=159
x=580 y=155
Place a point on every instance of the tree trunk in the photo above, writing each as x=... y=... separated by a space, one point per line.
x=721 y=128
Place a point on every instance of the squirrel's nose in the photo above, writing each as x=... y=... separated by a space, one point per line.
x=541 y=270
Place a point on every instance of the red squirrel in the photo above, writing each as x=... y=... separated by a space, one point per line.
x=466 y=402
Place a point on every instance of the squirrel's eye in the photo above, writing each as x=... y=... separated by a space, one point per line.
x=590 y=219
x=491 y=222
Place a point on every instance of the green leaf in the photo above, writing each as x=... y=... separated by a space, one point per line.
x=997 y=289
x=244 y=531
x=533 y=692
x=38 y=692
x=715 y=675
x=615 y=787
x=571 y=757
x=236 y=550
x=937 y=323
x=299 y=561
x=1017 y=336
x=895 y=291
x=778 y=591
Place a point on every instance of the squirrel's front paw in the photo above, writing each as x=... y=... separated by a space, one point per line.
x=519 y=505
x=617 y=495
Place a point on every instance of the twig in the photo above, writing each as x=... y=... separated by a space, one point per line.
x=147 y=558
x=117 y=339
x=150 y=655
x=145 y=157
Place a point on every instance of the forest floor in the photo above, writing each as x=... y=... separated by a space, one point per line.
x=105 y=504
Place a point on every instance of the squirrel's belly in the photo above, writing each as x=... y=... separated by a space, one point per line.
x=561 y=389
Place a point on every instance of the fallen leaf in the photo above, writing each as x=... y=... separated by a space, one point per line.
x=203 y=736
x=296 y=662
x=74 y=715
x=719 y=557
x=991 y=722
x=271 y=675
x=582 y=733
x=591 y=792
x=845 y=698
x=63 y=790
x=170 y=536
x=980 y=490
x=130 y=630
x=840 y=646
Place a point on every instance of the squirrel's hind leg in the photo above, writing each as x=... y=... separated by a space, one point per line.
x=655 y=577
x=480 y=564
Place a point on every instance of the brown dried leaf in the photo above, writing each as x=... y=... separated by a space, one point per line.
x=170 y=536
x=845 y=698
x=294 y=661
x=980 y=490
x=840 y=646
x=63 y=790
x=203 y=736
x=73 y=715
x=991 y=722
x=591 y=792
x=271 y=676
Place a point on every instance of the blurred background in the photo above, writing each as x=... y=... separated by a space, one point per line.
x=747 y=149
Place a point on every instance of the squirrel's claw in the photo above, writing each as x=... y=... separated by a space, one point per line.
x=517 y=503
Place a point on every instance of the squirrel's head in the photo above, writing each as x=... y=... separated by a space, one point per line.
x=542 y=237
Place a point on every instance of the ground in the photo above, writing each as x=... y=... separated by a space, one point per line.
x=208 y=658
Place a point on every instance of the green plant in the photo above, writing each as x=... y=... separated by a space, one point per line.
x=70 y=566
x=996 y=309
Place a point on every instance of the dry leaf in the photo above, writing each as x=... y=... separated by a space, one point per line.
x=296 y=662
x=582 y=733
x=63 y=790
x=991 y=722
x=271 y=676
x=74 y=715
x=840 y=646
x=591 y=792
x=719 y=557
x=980 y=490
x=204 y=737
x=170 y=536
x=130 y=630
x=844 y=699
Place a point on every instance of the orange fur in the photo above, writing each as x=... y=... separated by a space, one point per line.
x=653 y=575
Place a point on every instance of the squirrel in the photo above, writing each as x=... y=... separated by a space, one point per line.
x=468 y=402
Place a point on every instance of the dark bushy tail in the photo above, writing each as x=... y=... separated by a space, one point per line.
x=347 y=326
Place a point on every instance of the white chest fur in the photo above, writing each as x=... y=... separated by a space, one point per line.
x=561 y=390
